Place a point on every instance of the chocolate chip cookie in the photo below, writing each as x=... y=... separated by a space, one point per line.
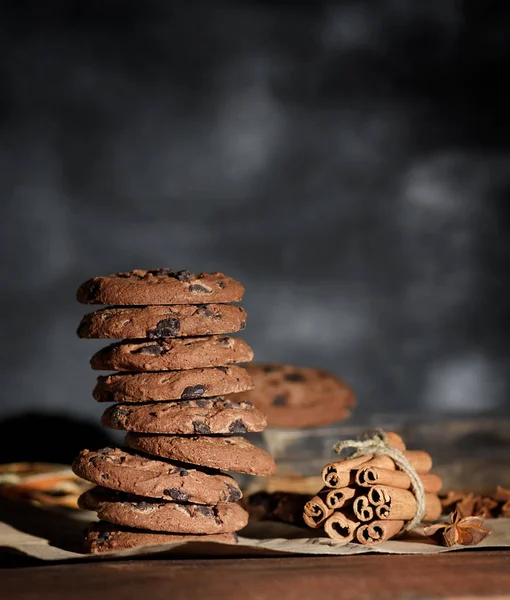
x=189 y=417
x=172 y=354
x=153 y=322
x=159 y=515
x=171 y=385
x=226 y=453
x=107 y=537
x=298 y=396
x=124 y=470
x=159 y=286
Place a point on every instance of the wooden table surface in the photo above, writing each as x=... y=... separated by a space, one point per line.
x=471 y=574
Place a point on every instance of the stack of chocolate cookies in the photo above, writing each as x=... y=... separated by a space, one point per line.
x=175 y=366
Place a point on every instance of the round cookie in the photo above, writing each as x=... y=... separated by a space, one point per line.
x=189 y=417
x=171 y=385
x=124 y=470
x=159 y=515
x=226 y=453
x=153 y=322
x=107 y=537
x=172 y=354
x=159 y=286
x=297 y=396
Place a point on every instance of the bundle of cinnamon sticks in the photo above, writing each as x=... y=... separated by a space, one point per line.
x=368 y=499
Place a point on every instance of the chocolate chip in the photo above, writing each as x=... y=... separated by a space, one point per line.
x=227 y=441
x=176 y=494
x=145 y=506
x=154 y=349
x=270 y=368
x=229 y=404
x=206 y=511
x=237 y=427
x=201 y=427
x=278 y=401
x=196 y=288
x=107 y=450
x=222 y=369
x=202 y=403
x=105 y=476
x=221 y=284
x=234 y=494
x=294 y=377
x=183 y=473
x=193 y=391
x=119 y=412
x=103 y=537
x=224 y=340
x=243 y=325
x=185 y=276
x=93 y=288
x=162 y=272
x=207 y=312
x=105 y=454
x=165 y=328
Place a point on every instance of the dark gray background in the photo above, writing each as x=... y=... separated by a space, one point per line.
x=349 y=162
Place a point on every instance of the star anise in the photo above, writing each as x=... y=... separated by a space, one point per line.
x=462 y=531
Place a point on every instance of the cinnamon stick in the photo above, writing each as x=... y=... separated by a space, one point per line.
x=340 y=527
x=382 y=511
x=370 y=476
x=382 y=461
x=421 y=461
x=337 y=498
x=363 y=511
x=337 y=474
x=395 y=440
x=401 y=504
x=379 y=495
x=378 y=531
x=316 y=511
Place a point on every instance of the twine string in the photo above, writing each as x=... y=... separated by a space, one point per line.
x=375 y=442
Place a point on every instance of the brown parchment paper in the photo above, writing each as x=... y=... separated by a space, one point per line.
x=56 y=535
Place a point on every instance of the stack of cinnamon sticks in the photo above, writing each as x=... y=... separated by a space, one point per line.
x=368 y=499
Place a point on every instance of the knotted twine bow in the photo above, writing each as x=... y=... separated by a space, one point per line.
x=375 y=442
